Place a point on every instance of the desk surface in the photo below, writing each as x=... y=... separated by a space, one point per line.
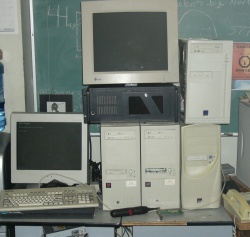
x=218 y=216
x=101 y=219
x=243 y=188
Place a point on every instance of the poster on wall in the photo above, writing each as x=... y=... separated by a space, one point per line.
x=241 y=66
x=8 y=17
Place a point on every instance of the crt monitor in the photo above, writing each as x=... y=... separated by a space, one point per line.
x=130 y=42
x=48 y=146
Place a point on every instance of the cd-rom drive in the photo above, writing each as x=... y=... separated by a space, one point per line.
x=120 y=153
x=160 y=165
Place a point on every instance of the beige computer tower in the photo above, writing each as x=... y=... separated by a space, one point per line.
x=206 y=78
x=120 y=155
x=243 y=151
x=160 y=165
x=200 y=172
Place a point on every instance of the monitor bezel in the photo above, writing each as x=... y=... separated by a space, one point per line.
x=45 y=176
x=90 y=77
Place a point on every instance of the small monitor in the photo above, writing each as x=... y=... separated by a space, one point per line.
x=49 y=146
x=130 y=42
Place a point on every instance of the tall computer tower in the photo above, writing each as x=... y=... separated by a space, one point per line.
x=243 y=151
x=4 y=169
x=200 y=171
x=205 y=77
x=120 y=155
x=160 y=165
x=5 y=182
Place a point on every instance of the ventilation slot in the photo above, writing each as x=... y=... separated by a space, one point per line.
x=106 y=105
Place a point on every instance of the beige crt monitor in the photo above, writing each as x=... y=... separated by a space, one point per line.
x=130 y=42
x=47 y=147
x=200 y=173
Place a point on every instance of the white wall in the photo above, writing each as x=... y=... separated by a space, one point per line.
x=11 y=45
x=229 y=150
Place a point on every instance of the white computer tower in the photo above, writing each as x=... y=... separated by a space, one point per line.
x=160 y=165
x=243 y=150
x=120 y=155
x=4 y=169
x=205 y=78
x=200 y=169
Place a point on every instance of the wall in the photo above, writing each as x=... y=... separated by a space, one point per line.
x=229 y=150
x=11 y=45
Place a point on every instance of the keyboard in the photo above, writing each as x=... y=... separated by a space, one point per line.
x=19 y=200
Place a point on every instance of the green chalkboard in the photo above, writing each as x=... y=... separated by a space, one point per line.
x=58 y=53
x=215 y=19
x=57 y=37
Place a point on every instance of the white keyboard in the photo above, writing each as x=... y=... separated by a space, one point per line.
x=17 y=200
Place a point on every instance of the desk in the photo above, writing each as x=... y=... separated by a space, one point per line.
x=205 y=223
x=101 y=219
x=191 y=223
x=243 y=229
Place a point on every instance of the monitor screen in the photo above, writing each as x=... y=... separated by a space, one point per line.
x=129 y=42
x=48 y=146
x=112 y=36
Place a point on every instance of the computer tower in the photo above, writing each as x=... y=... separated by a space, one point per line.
x=5 y=161
x=243 y=150
x=4 y=169
x=141 y=103
x=205 y=76
x=120 y=156
x=200 y=170
x=160 y=165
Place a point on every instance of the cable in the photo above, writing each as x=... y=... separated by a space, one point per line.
x=77 y=181
x=116 y=233
x=90 y=147
x=234 y=227
x=95 y=168
x=127 y=231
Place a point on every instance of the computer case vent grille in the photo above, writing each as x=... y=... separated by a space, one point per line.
x=106 y=105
